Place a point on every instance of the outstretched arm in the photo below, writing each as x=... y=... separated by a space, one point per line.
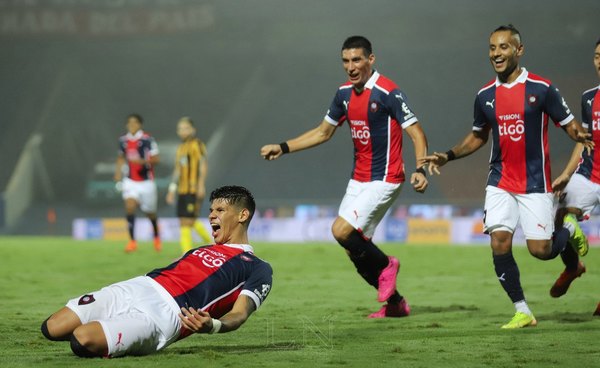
x=471 y=143
x=578 y=133
x=321 y=134
x=199 y=321
x=418 y=178
x=559 y=184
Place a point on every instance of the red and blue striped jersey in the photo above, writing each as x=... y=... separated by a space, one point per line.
x=518 y=116
x=138 y=146
x=376 y=117
x=589 y=166
x=212 y=277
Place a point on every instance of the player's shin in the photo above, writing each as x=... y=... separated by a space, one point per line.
x=507 y=272
x=559 y=242
x=570 y=258
x=130 y=226
x=185 y=238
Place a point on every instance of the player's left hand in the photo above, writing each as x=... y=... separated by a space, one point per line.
x=271 y=152
x=419 y=182
x=195 y=320
x=559 y=184
x=586 y=139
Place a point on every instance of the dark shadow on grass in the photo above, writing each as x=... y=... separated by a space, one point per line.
x=449 y=308
x=236 y=349
x=566 y=317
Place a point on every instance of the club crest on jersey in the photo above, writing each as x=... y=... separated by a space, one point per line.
x=532 y=100
x=86 y=299
x=373 y=106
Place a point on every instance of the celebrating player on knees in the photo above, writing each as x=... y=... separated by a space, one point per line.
x=377 y=112
x=210 y=289
x=515 y=108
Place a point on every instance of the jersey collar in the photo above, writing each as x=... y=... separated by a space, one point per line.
x=522 y=78
x=371 y=82
x=137 y=135
x=245 y=247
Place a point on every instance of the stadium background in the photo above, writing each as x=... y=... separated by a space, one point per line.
x=249 y=73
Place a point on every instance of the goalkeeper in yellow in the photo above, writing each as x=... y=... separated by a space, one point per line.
x=188 y=183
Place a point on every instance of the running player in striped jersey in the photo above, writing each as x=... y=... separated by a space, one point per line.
x=582 y=180
x=377 y=113
x=188 y=183
x=515 y=108
x=209 y=289
x=139 y=151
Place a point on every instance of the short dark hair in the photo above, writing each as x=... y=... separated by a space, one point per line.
x=358 y=42
x=237 y=196
x=598 y=42
x=137 y=117
x=512 y=29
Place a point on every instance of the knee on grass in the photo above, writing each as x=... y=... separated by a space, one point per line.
x=49 y=332
x=82 y=345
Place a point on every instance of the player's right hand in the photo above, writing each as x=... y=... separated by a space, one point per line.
x=119 y=186
x=271 y=151
x=434 y=161
x=170 y=199
x=195 y=320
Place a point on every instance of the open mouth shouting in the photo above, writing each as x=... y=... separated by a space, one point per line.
x=215 y=229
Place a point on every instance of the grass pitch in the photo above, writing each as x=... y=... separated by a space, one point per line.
x=315 y=314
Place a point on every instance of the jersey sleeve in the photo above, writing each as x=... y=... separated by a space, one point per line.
x=399 y=109
x=557 y=107
x=337 y=112
x=586 y=113
x=258 y=285
x=479 y=119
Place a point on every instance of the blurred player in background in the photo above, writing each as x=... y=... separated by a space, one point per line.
x=189 y=183
x=515 y=108
x=209 y=289
x=139 y=151
x=377 y=113
x=582 y=180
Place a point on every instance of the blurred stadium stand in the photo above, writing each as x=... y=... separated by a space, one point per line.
x=250 y=72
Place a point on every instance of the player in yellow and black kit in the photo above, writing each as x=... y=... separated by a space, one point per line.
x=188 y=182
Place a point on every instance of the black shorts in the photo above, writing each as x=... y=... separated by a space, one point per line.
x=188 y=205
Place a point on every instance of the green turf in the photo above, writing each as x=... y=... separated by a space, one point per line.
x=315 y=314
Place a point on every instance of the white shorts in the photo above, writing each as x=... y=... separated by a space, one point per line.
x=138 y=316
x=535 y=212
x=144 y=192
x=365 y=204
x=582 y=193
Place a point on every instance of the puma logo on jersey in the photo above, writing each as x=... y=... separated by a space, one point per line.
x=346 y=105
x=501 y=277
x=490 y=104
x=542 y=226
x=589 y=102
